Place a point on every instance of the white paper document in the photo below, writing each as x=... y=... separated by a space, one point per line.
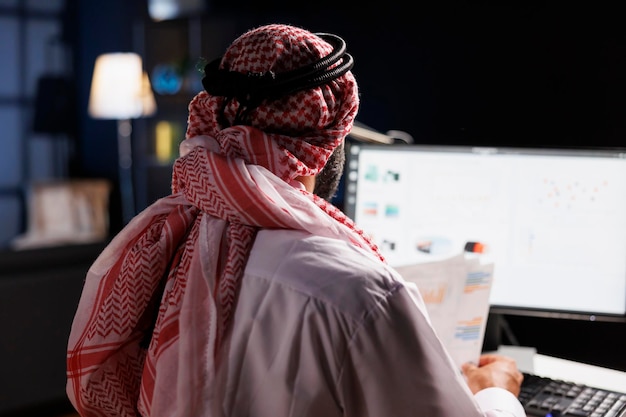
x=456 y=292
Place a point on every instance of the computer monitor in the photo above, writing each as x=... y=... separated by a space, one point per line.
x=553 y=221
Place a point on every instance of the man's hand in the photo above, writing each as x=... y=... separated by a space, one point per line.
x=493 y=371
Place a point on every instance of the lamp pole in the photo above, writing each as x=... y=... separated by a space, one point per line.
x=125 y=162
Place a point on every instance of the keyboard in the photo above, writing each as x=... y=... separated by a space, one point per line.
x=547 y=397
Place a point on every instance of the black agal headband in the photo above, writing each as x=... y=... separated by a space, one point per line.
x=252 y=88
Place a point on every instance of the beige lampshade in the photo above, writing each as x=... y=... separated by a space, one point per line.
x=148 y=103
x=120 y=89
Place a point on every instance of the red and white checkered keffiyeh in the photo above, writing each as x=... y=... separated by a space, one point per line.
x=156 y=303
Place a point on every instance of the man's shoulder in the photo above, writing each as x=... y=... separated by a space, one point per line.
x=326 y=269
x=292 y=248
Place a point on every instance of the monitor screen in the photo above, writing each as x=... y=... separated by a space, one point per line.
x=552 y=221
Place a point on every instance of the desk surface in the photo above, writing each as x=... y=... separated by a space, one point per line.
x=566 y=370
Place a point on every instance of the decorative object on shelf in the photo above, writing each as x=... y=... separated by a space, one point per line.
x=174 y=9
x=66 y=212
x=121 y=90
x=167 y=79
x=168 y=135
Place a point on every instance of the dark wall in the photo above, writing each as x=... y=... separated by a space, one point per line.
x=479 y=73
x=599 y=343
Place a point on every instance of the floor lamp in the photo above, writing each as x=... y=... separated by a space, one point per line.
x=120 y=90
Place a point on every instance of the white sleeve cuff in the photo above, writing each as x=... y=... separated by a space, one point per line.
x=500 y=401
